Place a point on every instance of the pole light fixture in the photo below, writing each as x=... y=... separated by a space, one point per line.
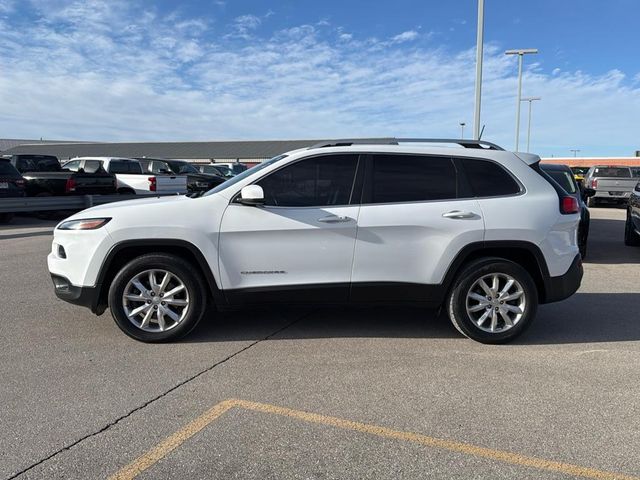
x=462 y=124
x=575 y=151
x=479 y=50
x=530 y=100
x=521 y=52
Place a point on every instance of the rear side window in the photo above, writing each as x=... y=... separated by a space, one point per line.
x=564 y=179
x=488 y=179
x=314 y=182
x=123 y=166
x=612 y=172
x=92 y=166
x=38 y=163
x=412 y=178
x=7 y=170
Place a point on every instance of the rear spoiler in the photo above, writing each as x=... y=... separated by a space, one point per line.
x=528 y=158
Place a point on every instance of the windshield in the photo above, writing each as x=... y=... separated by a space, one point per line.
x=182 y=167
x=243 y=175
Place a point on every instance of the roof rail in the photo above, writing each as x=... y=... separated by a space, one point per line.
x=466 y=143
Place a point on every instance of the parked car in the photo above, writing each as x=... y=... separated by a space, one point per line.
x=579 y=173
x=481 y=231
x=632 y=223
x=129 y=175
x=220 y=170
x=196 y=181
x=611 y=183
x=44 y=176
x=11 y=185
x=564 y=176
x=235 y=167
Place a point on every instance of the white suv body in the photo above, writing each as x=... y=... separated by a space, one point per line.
x=360 y=223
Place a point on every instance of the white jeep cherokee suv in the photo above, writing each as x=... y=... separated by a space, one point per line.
x=479 y=230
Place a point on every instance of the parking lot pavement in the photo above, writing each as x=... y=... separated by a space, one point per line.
x=338 y=393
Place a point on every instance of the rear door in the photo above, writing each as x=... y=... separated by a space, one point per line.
x=411 y=225
x=299 y=246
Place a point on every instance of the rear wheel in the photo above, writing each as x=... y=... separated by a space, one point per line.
x=157 y=298
x=492 y=301
x=592 y=202
x=631 y=237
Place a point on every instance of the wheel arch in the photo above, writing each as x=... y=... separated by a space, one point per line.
x=123 y=252
x=525 y=254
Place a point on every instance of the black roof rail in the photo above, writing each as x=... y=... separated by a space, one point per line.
x=466 y=143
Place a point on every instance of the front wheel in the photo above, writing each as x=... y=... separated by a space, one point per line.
x=157 y=298
x=493 y=301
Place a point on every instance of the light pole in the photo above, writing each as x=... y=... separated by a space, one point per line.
x=530 y=100
x=462 y=124
x=575 y=151
x=479 y=49
x=521 y=53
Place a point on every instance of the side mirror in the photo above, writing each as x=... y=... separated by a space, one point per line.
x=251 y=195
x=588 y=192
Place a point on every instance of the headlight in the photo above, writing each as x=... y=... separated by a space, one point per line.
x=84 y=224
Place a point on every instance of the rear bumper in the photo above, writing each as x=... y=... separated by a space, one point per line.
x=563 y=286
x=82 y=296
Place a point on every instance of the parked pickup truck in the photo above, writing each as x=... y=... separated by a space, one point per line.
x=130 y=177
x=610 y=183
x=44 y=176
x=196 y=181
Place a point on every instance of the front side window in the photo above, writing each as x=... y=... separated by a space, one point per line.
x=314 y=182
x=72 y=166
x=412 y=178
x=488 y=179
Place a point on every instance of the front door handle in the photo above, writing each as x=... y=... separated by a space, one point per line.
x=459 y=214
x=334 y=219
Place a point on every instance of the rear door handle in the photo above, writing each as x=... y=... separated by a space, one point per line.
x=334 y=219
x=459 y=214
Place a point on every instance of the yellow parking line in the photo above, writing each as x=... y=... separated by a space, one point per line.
x=175 y=440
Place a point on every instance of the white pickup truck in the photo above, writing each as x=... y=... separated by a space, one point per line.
x=131 y=179
x=609 y=183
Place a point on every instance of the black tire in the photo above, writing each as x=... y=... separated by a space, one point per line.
x=184 y=271
x=592 y=202
x=6 y=217
x=631 y=237
x=457 y=299
x=583 y=236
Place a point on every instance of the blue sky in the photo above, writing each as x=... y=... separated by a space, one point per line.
x=115 y=70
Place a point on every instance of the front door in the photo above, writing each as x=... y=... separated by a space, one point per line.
x=299 y=246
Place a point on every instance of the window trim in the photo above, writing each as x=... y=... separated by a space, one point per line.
x=356 y=184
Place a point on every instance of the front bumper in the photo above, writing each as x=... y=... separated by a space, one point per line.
x=83 y=296
x=563 y=286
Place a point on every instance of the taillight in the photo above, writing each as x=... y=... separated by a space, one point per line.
x=19 y=183
x=71 y=185
x=152 y=184
x=594 y=183
x=569 y=205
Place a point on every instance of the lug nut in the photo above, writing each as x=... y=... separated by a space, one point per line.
x=155 y=307
x=162 y=294
x=153 y=294
x=148 y=301
x=162 y=303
